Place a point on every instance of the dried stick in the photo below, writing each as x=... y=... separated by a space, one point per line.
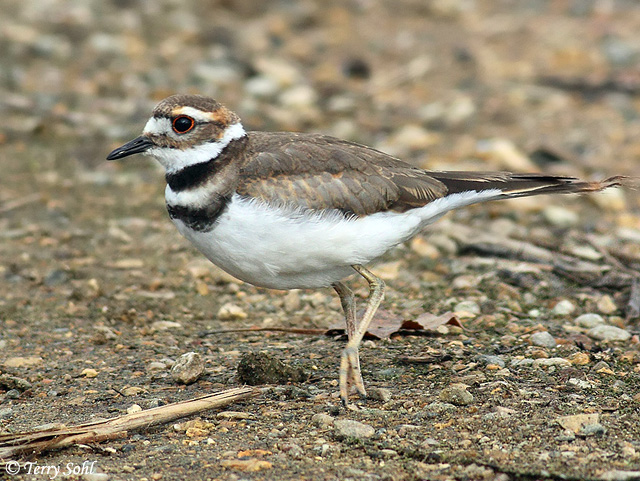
x=33 y=442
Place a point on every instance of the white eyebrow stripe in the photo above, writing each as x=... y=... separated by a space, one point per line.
x=197 y=115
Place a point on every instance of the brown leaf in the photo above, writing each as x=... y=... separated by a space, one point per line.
x=431 y=322
x=385 y=324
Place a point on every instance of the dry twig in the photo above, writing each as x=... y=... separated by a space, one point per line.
x=34 y=442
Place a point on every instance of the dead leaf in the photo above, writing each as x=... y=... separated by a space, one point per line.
x=576 y=422
x=385 y=324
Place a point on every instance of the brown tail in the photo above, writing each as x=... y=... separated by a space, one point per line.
x=522 y=185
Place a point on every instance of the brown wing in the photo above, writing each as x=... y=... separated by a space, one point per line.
x=318 y=172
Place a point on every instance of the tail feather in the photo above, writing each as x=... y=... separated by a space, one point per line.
x=521 y=185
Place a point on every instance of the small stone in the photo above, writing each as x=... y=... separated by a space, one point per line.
x=457 y=395
x=347 y=428
x=438 y=407
x=230 y=312
x=293 y=450
x=580 y=358
x=12 y=394
x=89 y=373
x=618 y=475
x=260 y=368
x=156 y=366
x=580 y=383
x=560 y=216
x=322 y=420
x=23 y=361
x=595 y=429
x=261 y=86
x=600 y=365
x=164 y=325
x=423 y=248
x=134 y=408
x=492 y=360
x=606 y=305
x=609 y=333
x=563 y=308
x=559 y=362
x=505 y=154
x=379 y=394
x=292 y=301
x=132 y=391
x=95 y=477
x=13 y=382
x=299 y=97
x=188 y=368
x=6 y=412
x=543 y=339
x=589 y=320
x=467 y=309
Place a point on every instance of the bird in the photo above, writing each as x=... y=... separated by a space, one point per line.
x=286 y=210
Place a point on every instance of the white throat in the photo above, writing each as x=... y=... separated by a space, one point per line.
x=174 y=160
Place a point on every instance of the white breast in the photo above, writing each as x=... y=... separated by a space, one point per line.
x=282 y=248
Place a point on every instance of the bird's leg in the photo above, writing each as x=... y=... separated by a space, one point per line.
x=350 y=362
x=349 y=307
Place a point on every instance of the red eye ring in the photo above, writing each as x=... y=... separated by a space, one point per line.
x=183 y=124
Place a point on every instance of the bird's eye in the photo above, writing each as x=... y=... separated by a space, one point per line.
x=183 y=124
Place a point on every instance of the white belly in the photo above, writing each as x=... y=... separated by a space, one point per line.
x=285 y=249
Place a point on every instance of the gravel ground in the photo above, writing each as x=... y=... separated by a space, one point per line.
x=100 y=297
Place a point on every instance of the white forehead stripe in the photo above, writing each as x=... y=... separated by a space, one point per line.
x=174 y=160
x=197 y=115
x=156 y=125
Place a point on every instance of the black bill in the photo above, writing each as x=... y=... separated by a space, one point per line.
x=136 y=146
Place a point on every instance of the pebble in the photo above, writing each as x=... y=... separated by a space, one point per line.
x=292 y=301
x=261 y=368
x=505 y=154
x=12 y=394
x=467 y=309
x=438 y=407
x=552 y=361
x=457 y=395
x=543 y=339
x=606 y=305
x=379 y=394
x=492 y=360
x=230 y=312
x=23 y=361
x=347 y=428
x=134 y=408
x=589 y=320
x=156 y=366
x=188 y=368
x=6 y=412
x=580 y=383
x=322 y=420
x=580 y=358
x=560 y=216
x=95 y=477
x=14 y=382
x=608 y=333
x=563 y=308
x=594 y=429
x=618 y=475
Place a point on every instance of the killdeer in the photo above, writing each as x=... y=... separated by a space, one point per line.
x=301 y=211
